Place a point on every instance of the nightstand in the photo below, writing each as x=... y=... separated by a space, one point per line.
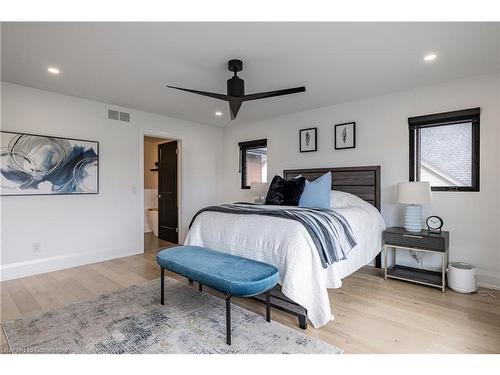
x=424 y=241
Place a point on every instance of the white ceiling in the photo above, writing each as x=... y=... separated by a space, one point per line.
x=129 y=64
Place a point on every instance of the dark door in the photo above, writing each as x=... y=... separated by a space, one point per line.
x=167 y=192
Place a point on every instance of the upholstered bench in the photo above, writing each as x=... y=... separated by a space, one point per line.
x=232 y=275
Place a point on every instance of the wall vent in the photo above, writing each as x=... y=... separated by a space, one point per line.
x=124 y=116
x=117 y=115
x=113 y=115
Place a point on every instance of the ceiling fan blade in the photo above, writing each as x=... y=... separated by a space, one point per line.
x=269 y=94
x=234 y=106
x=204 y=93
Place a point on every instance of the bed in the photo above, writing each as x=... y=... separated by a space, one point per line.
x=286 y=244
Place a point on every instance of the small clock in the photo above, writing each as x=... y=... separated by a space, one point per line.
x=434 y=223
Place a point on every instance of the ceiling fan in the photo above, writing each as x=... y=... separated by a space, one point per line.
x=236 y=90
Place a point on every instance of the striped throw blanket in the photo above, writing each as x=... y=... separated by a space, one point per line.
x=329 y=230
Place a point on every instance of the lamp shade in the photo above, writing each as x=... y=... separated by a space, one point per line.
x=259 y=189
x=414 y=192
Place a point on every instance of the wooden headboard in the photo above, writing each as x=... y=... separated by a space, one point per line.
x=363 y=182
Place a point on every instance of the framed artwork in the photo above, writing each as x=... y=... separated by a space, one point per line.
x=345 y=136
x=44 y=165
x=308 y=139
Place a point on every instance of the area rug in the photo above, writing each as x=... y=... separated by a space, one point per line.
x=132 y=320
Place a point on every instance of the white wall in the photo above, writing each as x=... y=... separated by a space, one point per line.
x=78 y=229
x=382 y=139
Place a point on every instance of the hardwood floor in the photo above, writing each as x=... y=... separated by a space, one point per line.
x=153 y=243
x=372 y=315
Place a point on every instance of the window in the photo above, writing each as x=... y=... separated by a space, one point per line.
x=253 y=162
x=444 y=150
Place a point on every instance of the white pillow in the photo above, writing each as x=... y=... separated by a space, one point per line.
x=340 y=199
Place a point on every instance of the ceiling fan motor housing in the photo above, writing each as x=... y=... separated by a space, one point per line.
x=235 y=86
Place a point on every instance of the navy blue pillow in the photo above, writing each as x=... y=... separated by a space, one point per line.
x=285 y=192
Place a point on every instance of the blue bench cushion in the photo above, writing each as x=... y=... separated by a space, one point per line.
x=227 y=273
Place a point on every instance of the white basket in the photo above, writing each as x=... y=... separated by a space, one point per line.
x=462 y=277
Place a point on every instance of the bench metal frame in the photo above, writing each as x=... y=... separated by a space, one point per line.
x=227 y=298
x=281 y=302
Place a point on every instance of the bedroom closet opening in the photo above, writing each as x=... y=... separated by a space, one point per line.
x=161 y=198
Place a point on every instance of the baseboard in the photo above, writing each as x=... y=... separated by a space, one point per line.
x=34 y=267
x=488 y=279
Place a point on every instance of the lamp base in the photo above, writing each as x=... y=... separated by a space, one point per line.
x=259 y=200
x=413 y=218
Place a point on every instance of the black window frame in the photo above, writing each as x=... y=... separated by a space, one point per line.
x=471 y=115
x=244 y=147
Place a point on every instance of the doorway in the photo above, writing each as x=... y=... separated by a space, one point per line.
x=161 y=197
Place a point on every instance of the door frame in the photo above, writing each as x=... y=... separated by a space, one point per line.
x=140 y=182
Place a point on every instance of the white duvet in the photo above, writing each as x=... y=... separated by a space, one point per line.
x=287 y=245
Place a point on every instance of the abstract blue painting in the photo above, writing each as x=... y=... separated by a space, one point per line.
x=36 y=164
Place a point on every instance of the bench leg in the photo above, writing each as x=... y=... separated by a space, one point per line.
x=228 y=319
x=303 y=321
x=200 y=287
x=268 y=306
x=162 y=285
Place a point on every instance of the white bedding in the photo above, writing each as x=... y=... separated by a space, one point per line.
x=287 y=245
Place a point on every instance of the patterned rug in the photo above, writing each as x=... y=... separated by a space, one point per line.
x=132 y=320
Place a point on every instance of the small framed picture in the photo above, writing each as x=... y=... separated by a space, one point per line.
x=308 y=139
x=345 y=135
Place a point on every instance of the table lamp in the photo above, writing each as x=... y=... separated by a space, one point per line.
x=259 y=191
x=413 y=195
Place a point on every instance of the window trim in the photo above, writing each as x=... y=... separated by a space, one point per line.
x=245 y=146
x=441 y=119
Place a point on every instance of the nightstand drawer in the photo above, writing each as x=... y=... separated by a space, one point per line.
x=416 y=240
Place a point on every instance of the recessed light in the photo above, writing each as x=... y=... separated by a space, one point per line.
x=218 y=113
x=53 y=70
x=430 y=57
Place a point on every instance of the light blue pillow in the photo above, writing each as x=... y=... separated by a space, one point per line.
x=317 y=193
